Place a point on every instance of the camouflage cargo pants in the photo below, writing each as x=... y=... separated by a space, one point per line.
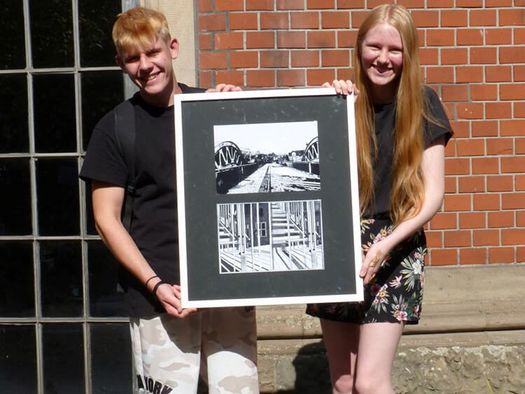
x=218 y=343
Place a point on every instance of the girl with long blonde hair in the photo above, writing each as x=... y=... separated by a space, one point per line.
x=402 y=131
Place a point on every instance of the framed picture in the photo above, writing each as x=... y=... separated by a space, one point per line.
x=268 y=209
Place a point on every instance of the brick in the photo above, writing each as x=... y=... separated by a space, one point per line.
x=335 y=58
x=429 y=56
x=440 y=3
x=207 y=78
x=471 y=184
x=213 y=60
x=485 y=165
x=274 y=20
x=486 y=238
x=470 y=110
x=229 y=5
x=518 y=109
x=205 y=6
x=357 y=17
x=513 y=164
x=244 y=59
x=320 y=4
x=471 y=147
x=454 y=18
x=498 y=74
x=440 y=74
x=454 y=56
x=469 y=74
x=321 y=39
x=259 y=5
x=484 y=92
x=345 y=73
x=304 y=20
x=520 y=218
x=499 y=255
x=212 y=22
x=460 y=238
x=472 y=220
x=519 y=36
x=306 y=58
x=457 y=202
x=513 y=237
x=498 y=37
x=513 y=201
x=231 y=77
x=482 y=18
x=244 y=21
x=439 y=257
x=512 y=55
x=485 y=128
x=335 y=20
x=456 y=166
x=511 y=17
x=500 y=183
x=469 y=3
x=519 y=146
x=520 y=182
x=468 y=37
x=291 y=39
x=520 y=254
x=514 y=91
x=483 y=55
x=291 y=78
x=440 y=37
x=451 y=184
x=500 y=146
x=260 y=40
x=271 y=59
x=205 y=42
x=501 y=3
x=425 y=18
x=444 y=220
x=260 y=78
x=461 y=127
x=498 y=110
x=434 y=239
x=290 y=4
x=319 y=76
x=359 y=4
x=455 y=92
x=346 y=38
x=500 y=219
x=473 y=256
x=228 y=40
x=486 y=202
x=512 y=127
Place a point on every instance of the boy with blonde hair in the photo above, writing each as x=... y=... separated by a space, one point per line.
x=168 y=342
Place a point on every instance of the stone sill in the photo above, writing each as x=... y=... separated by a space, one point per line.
x=456 y=299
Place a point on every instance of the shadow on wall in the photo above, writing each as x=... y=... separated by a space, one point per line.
x=311 y=371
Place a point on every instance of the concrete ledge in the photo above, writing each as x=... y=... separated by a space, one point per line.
x=456 y=299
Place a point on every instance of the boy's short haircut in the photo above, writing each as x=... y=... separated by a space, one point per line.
x=139 y=27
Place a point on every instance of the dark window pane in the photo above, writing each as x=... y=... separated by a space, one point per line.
x=17 y=296
x=18 y=359
x=51 y=33
x=57 y=189
x=15 y=209
x=54 y=99
x=61 y=278
x=96 y=18
x=94 y=103
x=14 y=135
x=105 y=295
x=12 y=45
x=63 y=359
x=111 y=359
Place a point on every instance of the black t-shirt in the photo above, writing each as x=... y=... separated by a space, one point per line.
x=385 y=115
x=154 y=224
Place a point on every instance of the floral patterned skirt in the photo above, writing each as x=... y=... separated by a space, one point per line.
x=395 y=294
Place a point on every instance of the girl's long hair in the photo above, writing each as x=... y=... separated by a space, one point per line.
x=407 y=190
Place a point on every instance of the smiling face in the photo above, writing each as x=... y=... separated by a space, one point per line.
x=151 y=70
x=382 y=60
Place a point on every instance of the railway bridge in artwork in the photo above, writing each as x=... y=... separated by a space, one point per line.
x=239 y=171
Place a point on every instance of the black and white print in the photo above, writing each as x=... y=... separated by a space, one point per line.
x=270 y=236
x=267 y=157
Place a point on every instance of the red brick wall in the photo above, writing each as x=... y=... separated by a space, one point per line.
x=473 y=55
